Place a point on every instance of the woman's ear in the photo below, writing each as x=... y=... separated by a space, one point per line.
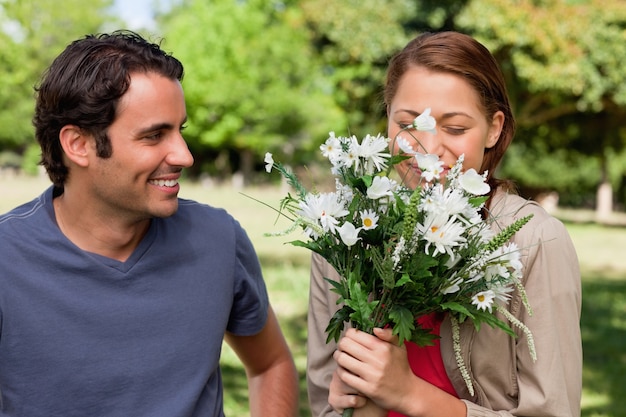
x=497 y=123
x=75 y=144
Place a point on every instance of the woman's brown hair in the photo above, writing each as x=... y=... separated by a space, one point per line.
x=461 y=55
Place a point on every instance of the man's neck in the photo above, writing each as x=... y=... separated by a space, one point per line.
x=109 y=236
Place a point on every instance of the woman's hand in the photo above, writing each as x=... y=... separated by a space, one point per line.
x=342 y=396
x=376 y=367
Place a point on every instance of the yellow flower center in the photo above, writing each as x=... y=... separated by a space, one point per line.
x=481 y=297
x=367 y=222
x=434 y=229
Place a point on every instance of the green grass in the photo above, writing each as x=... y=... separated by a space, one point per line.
x=600 y=249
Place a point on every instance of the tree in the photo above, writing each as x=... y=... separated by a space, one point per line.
x=252 y=83
x=564 y=62
x=355 y=38
x=32 y=33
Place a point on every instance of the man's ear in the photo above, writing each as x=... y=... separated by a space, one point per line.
x=75 y=144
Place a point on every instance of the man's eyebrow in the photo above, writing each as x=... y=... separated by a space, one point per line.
x=160 y=126
x=155 y=127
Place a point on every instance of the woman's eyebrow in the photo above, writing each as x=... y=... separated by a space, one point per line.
x=443 y=116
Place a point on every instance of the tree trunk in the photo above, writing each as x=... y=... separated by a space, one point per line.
x=604 y=195
x=243 y=176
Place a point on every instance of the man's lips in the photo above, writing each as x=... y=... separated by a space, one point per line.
x=169 y=179
x=164 y=182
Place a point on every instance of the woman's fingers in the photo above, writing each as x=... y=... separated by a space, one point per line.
x=342 y=395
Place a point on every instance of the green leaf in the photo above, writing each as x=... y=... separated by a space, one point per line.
x=477 y=201
x=404 y=322
x=403 y=280
x=458 y=308
x=396 y=159
x=424 y=337
x=362 y=308
x=337 y=287
x=337 y=323
x=493 y=321
x=367 y=180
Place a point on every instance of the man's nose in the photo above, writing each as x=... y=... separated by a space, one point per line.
x=179 y=154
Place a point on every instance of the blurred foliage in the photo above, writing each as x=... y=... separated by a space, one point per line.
x=354 y=39
x=577 y=176
x=272 y=75
x=558 y=49
x=562 y=59
x=32 y=33
x=251 y=79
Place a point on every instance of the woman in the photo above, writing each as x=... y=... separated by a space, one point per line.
x=460 y=81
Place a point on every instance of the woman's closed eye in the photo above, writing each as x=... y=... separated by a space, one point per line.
x=455 y=130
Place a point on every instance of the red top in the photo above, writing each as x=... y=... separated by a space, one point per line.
x=426 y=361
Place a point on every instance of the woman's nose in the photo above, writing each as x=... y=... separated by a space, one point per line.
x=429 y=143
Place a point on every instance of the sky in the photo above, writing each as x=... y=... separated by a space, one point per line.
x=138 y=13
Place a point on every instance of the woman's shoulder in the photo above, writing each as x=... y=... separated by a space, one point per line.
x=505 y=205
x=506 y=208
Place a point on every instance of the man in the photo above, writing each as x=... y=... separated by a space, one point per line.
x=115 y=295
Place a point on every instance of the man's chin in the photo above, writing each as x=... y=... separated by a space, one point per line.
x=166 y=211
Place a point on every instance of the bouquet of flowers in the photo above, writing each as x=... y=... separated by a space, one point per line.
x=403 y=253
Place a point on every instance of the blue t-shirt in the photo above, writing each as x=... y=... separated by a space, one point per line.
x=84 y=335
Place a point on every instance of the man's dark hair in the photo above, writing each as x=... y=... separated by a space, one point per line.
x=83 y=86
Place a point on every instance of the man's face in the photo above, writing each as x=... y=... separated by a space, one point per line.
x=140 y=179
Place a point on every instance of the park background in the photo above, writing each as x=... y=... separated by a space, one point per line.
x=268 y=75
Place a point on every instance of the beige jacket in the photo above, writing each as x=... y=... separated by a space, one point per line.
x=506 y=380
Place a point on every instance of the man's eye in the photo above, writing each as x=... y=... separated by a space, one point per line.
x=154 y=136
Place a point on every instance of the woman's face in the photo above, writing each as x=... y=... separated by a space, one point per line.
x=462 y=127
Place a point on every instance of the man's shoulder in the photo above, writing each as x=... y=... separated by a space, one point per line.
x=25 y=212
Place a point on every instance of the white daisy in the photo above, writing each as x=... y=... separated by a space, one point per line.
x=484 y=300
x=510 y=253
x=331 y=149
x=369 y=219
x=431 y=201
x=350 y=157
x=372 y=151
x=343 y=191
x=495 y=272
x=404 y=145
x=442 y=232
x=502 y=292
x=325 y=208
x=430 y=165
